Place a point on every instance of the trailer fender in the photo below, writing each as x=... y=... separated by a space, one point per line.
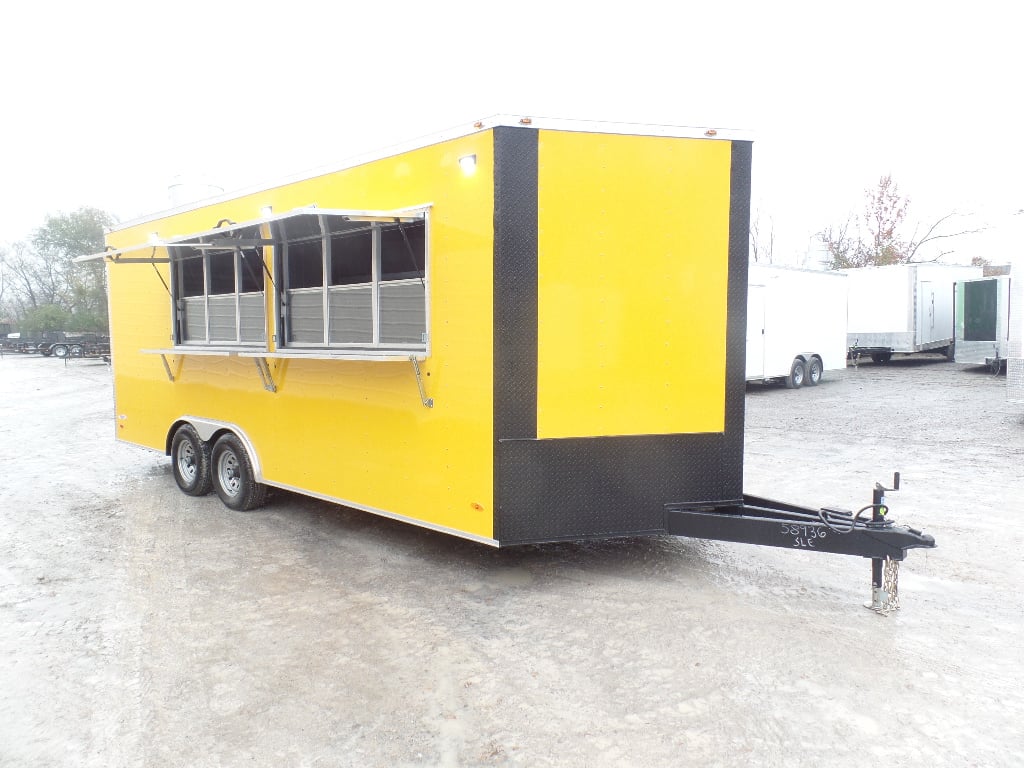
x=209 y=430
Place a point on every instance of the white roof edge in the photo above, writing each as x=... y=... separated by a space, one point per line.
x=906 y=264
x=637 y=129
x=463 y=129
x=792 y=268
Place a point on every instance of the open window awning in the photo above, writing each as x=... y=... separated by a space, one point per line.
x=220 y=237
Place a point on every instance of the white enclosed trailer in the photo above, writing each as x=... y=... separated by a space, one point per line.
x=903 y=309
x=796 y=324
x=983 y=321
x=1015 y=360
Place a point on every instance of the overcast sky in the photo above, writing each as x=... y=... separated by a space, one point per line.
x=105 y=102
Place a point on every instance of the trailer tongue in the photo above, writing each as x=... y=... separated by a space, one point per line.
x=770 y=523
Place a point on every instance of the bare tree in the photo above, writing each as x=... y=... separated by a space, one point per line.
x=933 y=234
x=762 y=244
x=877 y=238
x=32 y=281
x=3 y=278
x=844 y=248
x=41 y=280
x=885 y=211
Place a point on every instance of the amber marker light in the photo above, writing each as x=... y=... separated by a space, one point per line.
x=525 y=121
x=710 y=132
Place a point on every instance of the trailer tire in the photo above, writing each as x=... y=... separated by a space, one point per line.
x=60 y=350
x=881 y=357
x=813 y=372
x=233 y=477
x=77 y=350
x=190 y=461
x=796 y=374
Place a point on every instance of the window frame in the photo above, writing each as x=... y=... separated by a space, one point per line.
x=266 y=233
x=204 y=248
x=376 y=223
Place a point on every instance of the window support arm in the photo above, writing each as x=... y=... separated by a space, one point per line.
x=167 y=368
x=153 y=264
x=263 y=367
x=412 y=256
x=428 y=402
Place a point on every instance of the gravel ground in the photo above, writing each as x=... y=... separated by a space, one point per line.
x=142 y=627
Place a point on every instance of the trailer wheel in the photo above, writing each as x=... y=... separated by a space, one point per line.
x=813 y=371
x=190 y=461
x=45 y=350
x=881 y=357
x=77 y=350
x=796 y=374
x=233 y=476
x=60 y=350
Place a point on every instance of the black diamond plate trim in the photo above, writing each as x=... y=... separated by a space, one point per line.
x=515 y=282
x=515 y=291
x=606 y=486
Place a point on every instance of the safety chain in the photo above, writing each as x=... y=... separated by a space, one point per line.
x=890 y=588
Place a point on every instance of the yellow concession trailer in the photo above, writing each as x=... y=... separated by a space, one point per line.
x=524 y=331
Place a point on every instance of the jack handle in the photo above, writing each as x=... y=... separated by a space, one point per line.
x=895 y=483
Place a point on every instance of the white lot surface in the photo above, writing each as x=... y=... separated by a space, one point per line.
x=142 y=627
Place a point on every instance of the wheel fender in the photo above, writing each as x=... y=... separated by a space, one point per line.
x=208 y=429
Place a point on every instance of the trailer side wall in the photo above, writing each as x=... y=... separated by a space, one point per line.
x=352 y=431
x=904 y=307
x=880 y=301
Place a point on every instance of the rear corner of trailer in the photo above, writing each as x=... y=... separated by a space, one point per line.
x=140 y=318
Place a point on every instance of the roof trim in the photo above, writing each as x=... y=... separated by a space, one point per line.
x=463 y=129
x=112 y=254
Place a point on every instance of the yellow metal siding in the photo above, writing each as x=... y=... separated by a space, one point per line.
x=633 y=278
x=349 y=430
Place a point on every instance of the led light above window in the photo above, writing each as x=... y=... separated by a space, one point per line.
x=468 y=164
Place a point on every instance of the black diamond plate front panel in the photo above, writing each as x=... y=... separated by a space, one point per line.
x=607 y=486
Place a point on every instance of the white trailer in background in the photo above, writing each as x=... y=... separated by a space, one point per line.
x=1015 y=359
x=983 y=321
x=903 y=309
x=796 y=324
